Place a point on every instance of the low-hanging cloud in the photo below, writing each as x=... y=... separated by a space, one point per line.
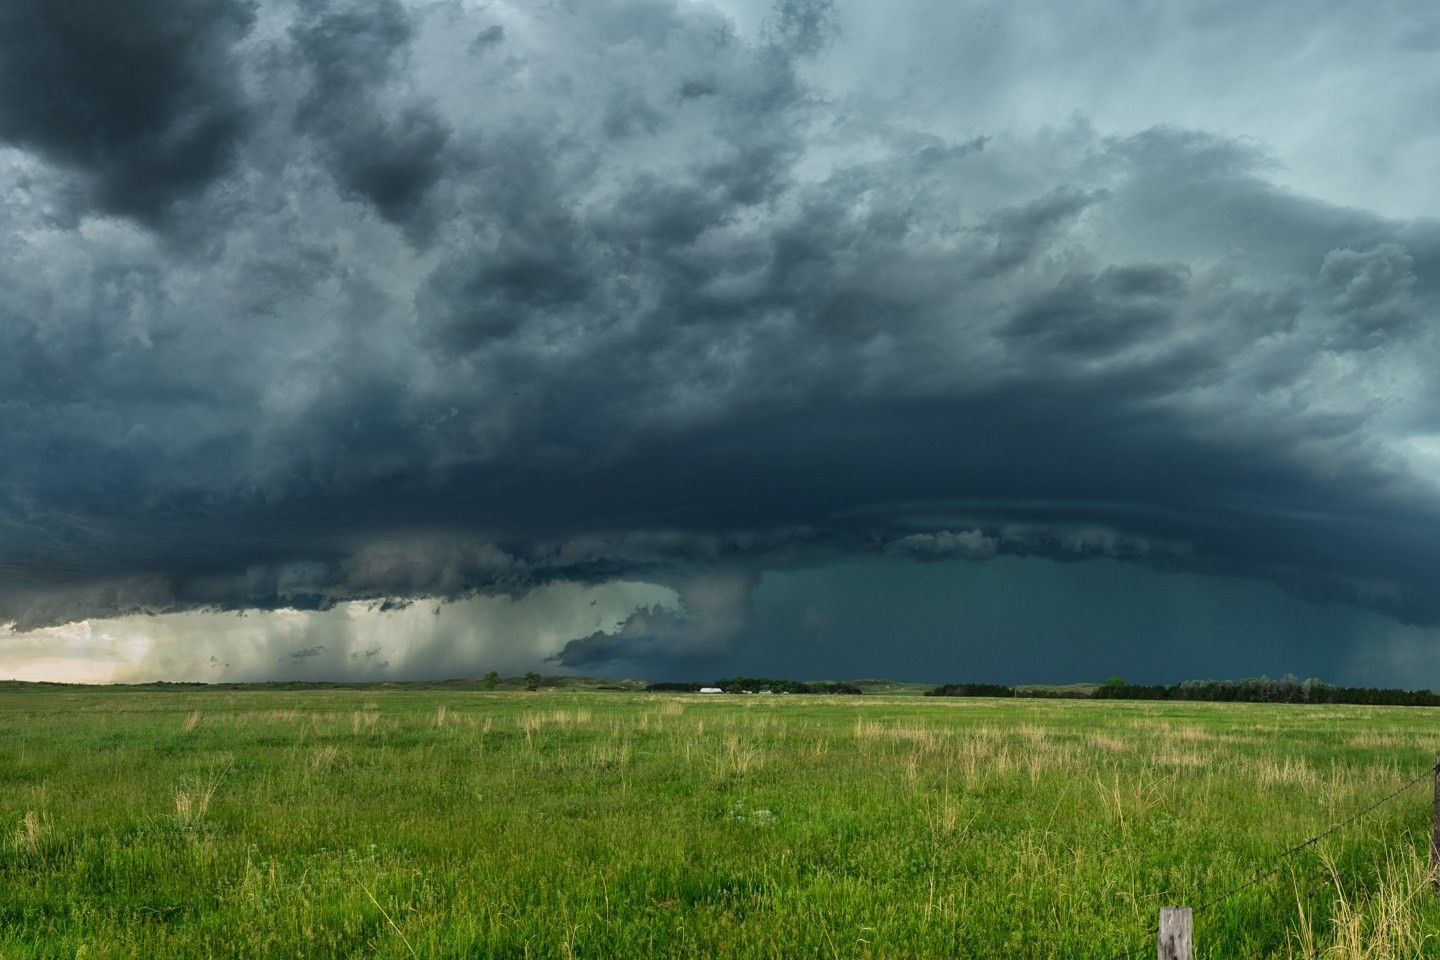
x=716 y=609
x=473 y=299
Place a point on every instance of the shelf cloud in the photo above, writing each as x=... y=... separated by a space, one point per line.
x=311 y=302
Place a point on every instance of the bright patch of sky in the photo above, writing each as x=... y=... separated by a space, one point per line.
x=352 y=641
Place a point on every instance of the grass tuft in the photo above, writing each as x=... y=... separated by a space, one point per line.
x=30 y=838
x=192 y=799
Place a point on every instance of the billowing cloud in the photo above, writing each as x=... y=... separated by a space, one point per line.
x=378 y=145
x=305 y=303
x=142 y=101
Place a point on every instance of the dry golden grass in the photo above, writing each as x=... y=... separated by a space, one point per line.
x=30 y=837
x=737 y=758
x=1384 y=923
x=1286 y=771
x=1171 y=756
x=1110 y=743
x=324 y=758
x=192 y=799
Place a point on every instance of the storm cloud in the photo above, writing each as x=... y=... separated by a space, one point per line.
x=141 y=101
x=309 y=302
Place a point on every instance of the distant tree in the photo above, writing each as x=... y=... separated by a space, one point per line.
x=833 y=686
x=780 y=685
x=532 y=681
x=971 y=690
x=491 y=679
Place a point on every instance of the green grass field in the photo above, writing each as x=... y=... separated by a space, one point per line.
x=458 y=823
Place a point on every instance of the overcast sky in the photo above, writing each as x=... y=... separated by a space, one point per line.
x=934 y=339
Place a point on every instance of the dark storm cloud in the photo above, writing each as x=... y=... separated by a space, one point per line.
x=1084 y=316
x=141 y=99
x=388 y=151
x=307 y=653
x=497 y=297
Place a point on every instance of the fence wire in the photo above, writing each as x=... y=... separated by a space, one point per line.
x=1282 y=859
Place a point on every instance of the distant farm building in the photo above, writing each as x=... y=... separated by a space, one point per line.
x=711 y=690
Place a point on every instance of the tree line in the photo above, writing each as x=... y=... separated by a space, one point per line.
x=1287 y=689
x=757 y=685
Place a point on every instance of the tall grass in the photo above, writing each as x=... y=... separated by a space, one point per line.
x=402 y=824
x=1385 y=918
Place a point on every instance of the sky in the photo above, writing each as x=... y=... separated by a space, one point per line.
x=945 y=341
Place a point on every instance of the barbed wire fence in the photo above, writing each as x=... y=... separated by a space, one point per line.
x=1279 y=864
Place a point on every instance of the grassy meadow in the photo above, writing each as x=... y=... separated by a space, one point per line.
x=457 y=823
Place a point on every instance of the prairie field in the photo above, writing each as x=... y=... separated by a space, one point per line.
x=401 y=823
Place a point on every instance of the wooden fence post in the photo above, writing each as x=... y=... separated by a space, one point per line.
x=1175 y=941
x=1435 y=834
